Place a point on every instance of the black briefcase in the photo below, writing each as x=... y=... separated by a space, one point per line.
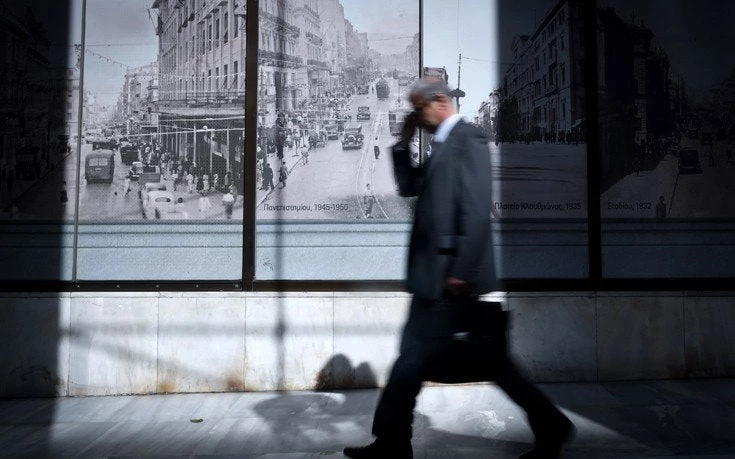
x=468 y=320
x=469 y=340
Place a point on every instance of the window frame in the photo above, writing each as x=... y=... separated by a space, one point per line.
x=594 y=281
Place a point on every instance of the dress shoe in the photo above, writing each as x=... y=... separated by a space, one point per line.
x=549 y=446
x=382 y=450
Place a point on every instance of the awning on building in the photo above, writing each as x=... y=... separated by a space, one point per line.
x=197 y=112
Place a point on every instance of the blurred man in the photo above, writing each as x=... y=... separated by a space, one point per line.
x=450 y=263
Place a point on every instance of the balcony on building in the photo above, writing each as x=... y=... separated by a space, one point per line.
x=281 y=23
x=278 y=59
x=315 y=39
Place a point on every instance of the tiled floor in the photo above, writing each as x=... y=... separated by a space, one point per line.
x=651 y=419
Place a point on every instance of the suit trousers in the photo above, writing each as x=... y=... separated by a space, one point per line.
x=444 y=359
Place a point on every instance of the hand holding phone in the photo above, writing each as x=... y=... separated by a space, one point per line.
x=410 y=123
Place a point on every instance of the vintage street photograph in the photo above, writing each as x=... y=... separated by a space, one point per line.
x=163 y=117
x=520 y=80
x=39 y=108
x=332 y=86
x=666 y=109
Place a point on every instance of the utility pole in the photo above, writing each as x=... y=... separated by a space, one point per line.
x=457 y=93
x=459 y=74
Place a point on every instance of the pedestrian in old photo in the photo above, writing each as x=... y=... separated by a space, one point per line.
x=63 y=195
x=376 y=149
x=205 y=182
x=174 y=178
x=215 y=182
x=283 y=174
x=126 y=182
x=267 y=176
x=450 y=264
x=180 y=208
x=660 y=208
x=204 y=204
x=305 y=154
x=368 y=200
x=228 y=201
x=190 y=182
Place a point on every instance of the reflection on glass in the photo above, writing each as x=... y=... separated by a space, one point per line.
x=164 y=93
x=666 y=116
x=39 y=107
x=533 y=108
x=332 y=76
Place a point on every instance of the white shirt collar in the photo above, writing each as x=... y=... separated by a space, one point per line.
x=445 y=127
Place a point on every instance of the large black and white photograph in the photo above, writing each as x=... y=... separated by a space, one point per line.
x=39 y=108
x=163 y=127
x=332 y=83
x=667 y=75
x=516 y=71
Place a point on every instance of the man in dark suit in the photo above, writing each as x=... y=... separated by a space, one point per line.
x=450 y=262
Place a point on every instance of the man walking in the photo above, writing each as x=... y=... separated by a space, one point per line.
x=267 y=176
x=450 y=262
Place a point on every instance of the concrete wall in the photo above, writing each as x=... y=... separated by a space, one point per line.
x=140 y=343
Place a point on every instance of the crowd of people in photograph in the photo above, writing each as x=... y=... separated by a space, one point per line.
x=295 y=133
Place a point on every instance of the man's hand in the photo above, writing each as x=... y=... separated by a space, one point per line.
x=410 y=123
x=457 y=286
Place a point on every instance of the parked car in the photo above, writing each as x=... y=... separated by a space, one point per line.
x=332 y=131
x=128 y=153
x=689 y=162
x=149 y=187
x=363 y=112
x=159 y=204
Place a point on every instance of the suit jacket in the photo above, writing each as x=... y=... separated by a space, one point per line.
x=451 y=231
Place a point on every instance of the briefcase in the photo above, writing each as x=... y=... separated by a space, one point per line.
x=469 y=320
x=470 y=339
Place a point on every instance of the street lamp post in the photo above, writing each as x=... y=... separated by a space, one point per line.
x=240 y=12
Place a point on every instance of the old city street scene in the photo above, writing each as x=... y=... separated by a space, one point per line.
x=153 y=102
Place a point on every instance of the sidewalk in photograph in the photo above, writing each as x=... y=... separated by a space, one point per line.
x=652 y=419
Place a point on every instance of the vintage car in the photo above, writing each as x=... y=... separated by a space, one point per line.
x=150 y=187
x=135 y=169
x=128 y=153
x=104 y=144
x=149 y=174
x=332 y=131
x=363 y=112
x=689 y=162
x=99 y=166
x=353 y=138
x=159 y=204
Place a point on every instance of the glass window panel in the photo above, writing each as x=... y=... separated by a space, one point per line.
x=666 y=135
x=330 y=74
x=172 y=208
x=506 y=60
x=39 y=109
